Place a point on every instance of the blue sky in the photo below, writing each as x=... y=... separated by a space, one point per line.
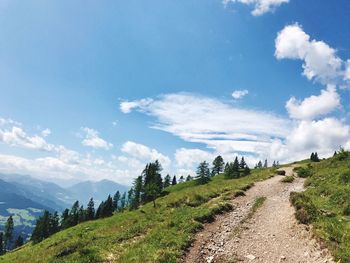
x=116 y=84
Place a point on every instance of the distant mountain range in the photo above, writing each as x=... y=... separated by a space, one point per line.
x=25 y=198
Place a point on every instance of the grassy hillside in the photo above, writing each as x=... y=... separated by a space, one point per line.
x=145 y=235
x=326 y=203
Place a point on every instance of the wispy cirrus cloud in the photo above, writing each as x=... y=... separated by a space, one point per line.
x=221 y=127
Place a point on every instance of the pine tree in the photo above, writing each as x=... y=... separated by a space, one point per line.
x=265 y=164
x=99 y=210
x=242 y=164
x=181 y=179
x=235 y=168
x=203 y=173
x=74 y=214
x=316 y=159
x=54 y=223
x=151 y=176
x=166 y=181
x=138 y=191
x=152 y=191
x=108 y=207
x=65 y=219
x=312 y=157
x=2 y=249
x=131 y=198
x=218 y=165
x=81 y=214
x=42 y=228
x=123 y=201
x=90 y=210
x=246 y=170
x=259 y=165
x=174 y=180
x=189 y=178
x=116 y=199
x=19 y=241
x=9 y=232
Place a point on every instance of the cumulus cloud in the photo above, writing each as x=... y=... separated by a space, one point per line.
x=92 y=139
x=260 y=7
x=145 y=153
x=314 y=106
x=320 y=61
x=16 y=136
x=238 y=94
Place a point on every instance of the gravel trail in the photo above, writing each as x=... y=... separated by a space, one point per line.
x=272 y=234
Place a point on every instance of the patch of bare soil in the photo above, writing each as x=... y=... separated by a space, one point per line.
x=272 y=234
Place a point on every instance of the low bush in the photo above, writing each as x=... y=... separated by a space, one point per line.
x=306 y=211
x=304 y=172
x=288 y=179
x=281 y=172
x=345 y=177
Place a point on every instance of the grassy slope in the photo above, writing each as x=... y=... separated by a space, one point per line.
x=325 y=199
x=144 y=235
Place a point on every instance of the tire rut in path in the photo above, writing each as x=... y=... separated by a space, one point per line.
x=271 y=235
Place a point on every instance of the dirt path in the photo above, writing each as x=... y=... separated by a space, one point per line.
x=272 y=234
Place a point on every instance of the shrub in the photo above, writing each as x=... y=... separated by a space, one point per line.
x=288 y=179
x=302 y=216
x=281 y=172
x=306 y=210
x=346 y=211
x=304 y=172
x=345 y=177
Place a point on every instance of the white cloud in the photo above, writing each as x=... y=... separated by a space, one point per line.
x=320 y=60
x=188 y=158
x=16 y=136
x=45 y=132
x=347 y=71
x=324 y=136
x=145 y=153
x=260 y=6
x=199 y=119
x=238 y=94
x=223 y=128
x=128 y=106
x=314 y=106
x=92 y=139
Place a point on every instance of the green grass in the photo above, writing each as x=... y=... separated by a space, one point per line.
x=288 y=179
x=148 y=234
x=326 y=203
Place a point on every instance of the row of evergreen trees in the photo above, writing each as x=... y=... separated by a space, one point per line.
x=7 y=237
x=50 y=223
x=236 y=169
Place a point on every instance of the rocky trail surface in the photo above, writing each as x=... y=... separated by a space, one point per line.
x=271 y=234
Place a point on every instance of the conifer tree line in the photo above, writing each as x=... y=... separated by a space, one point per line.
x=236 y=169
x=50 y=223
x=7 y=237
